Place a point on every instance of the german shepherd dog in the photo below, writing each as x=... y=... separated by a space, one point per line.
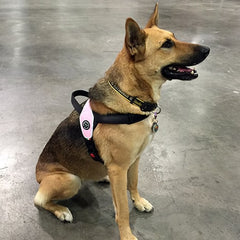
x=149 y=58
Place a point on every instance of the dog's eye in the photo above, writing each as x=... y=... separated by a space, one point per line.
x=168 y=44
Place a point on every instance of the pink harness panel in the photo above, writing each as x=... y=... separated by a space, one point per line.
x=86 y=119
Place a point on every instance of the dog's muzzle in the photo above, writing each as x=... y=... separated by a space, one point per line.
x=181 y=70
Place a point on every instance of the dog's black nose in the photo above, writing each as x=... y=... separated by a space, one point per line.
x=204 y=50
x=200 y=53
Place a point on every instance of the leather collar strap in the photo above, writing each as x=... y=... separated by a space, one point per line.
x=144 y=106
x=127 y=118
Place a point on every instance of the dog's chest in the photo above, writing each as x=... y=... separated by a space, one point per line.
x=139 y=136
x=149 y=132
x=122 y=141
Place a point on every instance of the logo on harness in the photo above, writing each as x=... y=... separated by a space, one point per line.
x=86 y=124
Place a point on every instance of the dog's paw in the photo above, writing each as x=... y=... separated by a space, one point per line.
x=143 y=205
x=133 y=238
x=105 y=180
x=129 y=237
x=64 y=215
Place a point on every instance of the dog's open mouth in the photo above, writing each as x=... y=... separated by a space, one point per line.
x=175 y=71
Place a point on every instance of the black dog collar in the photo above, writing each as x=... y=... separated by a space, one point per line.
x=144 y=106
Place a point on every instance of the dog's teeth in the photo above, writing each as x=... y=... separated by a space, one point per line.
x=192 y=72
x=174 y=69
x=171 y=68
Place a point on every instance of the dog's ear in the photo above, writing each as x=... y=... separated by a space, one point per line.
x=135 y=39
x=153 y=21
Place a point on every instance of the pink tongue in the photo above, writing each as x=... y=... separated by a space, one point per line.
x=184 y=69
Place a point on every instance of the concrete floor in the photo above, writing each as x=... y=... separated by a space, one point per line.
x=191 y=171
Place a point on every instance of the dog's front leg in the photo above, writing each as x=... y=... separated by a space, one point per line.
x=118 y=180
x=140 y=203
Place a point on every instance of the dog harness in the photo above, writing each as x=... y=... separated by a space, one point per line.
x=89 y=119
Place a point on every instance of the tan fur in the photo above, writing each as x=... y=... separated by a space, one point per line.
x=64 y=162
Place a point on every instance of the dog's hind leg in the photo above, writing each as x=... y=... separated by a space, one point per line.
x=58 y=186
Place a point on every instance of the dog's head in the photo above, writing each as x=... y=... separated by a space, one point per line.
x=157 y=54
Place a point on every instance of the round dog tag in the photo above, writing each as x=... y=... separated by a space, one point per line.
x=154 y=127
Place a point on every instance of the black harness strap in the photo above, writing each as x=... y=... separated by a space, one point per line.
x=120 y=118
x=107 y=119
x=127 y=118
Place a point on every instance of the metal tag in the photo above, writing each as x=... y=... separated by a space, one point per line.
x=154 y=127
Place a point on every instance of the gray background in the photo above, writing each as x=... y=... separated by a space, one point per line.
x=191 y=171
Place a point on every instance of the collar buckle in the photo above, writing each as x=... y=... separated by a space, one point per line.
x=148 y=107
